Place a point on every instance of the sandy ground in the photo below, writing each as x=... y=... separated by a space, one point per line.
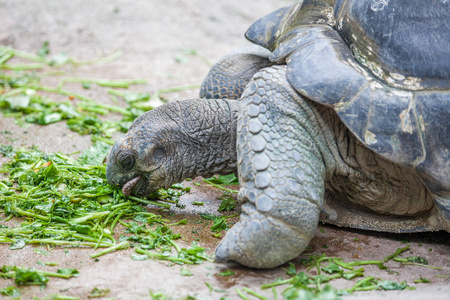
x=155 y=37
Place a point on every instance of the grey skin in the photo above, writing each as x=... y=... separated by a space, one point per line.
x=305 y=145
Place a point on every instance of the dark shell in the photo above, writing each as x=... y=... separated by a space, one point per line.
x=411 y=38
x=384 y=66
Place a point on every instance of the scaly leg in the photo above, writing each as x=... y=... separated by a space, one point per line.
x=281 y=170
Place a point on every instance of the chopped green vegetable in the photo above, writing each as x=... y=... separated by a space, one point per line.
x=397 y=252
x=123 y=245
x=193 y=255
x=44 y=50
x=18 y=244
x=391 y=285
x=7 y=151
x=223 y=180
x=304 y=286
x=228 y=203
x=96 y=154
x=227 y=273
x=417 y=259
x=171 y=195
x=185 y=272
x=29 y=277
x=11 y=291
x=21 y=96
x=219 y=222
x=209 y=285
x=220 y=181
x=68 y=202
x=212 y=181
x=332 y=268
x=422 y=280
x=253 y=293
x=68 y=271
x=98 y=293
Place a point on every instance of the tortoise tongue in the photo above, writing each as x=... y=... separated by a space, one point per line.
x=126 y=189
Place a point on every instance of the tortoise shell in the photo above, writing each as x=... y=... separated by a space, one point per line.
x=383 y=66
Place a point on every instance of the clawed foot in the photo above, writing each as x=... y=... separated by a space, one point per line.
x=259 y=241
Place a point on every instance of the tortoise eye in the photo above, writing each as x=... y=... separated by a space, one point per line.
x=126 y=160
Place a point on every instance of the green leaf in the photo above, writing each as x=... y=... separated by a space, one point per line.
x=352 y=274
x=68 y=111
x=29 y=277
x=392 y=285
x=219 y=222
x=185 y=272
x=41 y=252
x=227 y=273
x=228 y=203
x=7 y=151
x=332 y=268
x=140 y=218
x=16 y=102
x=86 y=85
x=291 y=270
x=180 y=186
x=95 y=154
x=422 y=280
x=301 y=280
x=18 y=244
x=69 y=271
x=230 y=179
x=11 y=291
x=98 y=293
x=417 y=259
x=195 y=254
x=292 y=293
x=328 y=293
x=84 y=229
x=209 y=285
x=44 y=50
x=135 y=97
x=135 y=228
x=138 y=257
x=50 y=118
x=59 y=59
x=44 y=208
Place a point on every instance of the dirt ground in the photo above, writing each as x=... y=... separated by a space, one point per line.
x=156 y=37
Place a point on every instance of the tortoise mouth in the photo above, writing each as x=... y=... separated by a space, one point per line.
x=127 y=187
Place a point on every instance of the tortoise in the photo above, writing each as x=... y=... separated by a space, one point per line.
x=340 y=113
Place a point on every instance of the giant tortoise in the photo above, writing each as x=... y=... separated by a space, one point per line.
x=341 y=113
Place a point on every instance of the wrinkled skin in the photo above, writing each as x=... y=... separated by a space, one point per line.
x=168 y=144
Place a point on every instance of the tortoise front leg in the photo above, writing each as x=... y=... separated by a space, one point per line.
x=281 y=171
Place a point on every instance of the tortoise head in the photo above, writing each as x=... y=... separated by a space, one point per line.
x=178 y=140
x=139 y=161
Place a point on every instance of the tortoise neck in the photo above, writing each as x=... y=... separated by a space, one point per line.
x=207 y=138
